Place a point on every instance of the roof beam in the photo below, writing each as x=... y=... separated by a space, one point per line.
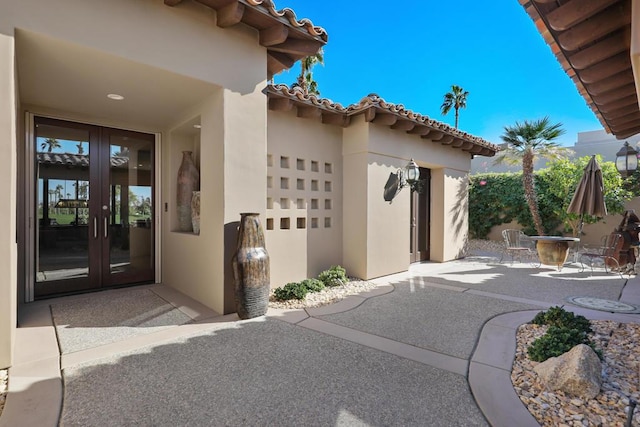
x=405 y=125
x=419 y=130
x=280 y=58
x=618 y=121
x=605 y=69
x=615 y=94
x=274 y=35
x=476 y=149
x=621 y=111
x=446 y=140
x=230 y=14
x=385 y=119
x=467 y=146
x=280 y=104
x=619 y=42
x=434 y=135
x=596 y=27
x=298 y=47
x=622 y=102
x=628 y=132
x=308 y=112
x=574 y=12
x=335 y=119
x=610 y=83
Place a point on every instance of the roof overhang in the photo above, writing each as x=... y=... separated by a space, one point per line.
x=597 y=42
x=286 y=38
x=376 y=110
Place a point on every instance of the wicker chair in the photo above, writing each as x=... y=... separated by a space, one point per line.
x=517 y=244
x=606 y=252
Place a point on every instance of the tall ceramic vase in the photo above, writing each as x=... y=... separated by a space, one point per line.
x=195 y=212
x=188 y=182
x=251 y=268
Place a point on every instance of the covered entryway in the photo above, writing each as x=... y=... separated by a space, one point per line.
x=94 y=206
x=419 y=220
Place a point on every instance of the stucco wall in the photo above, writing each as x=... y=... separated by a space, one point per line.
x=180 y=39
x=307 y=155
x=376 y=233
x=8 y=266
x=183 y=40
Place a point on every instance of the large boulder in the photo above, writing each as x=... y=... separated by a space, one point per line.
x=577 y=372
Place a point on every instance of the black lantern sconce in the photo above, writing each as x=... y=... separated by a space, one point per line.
x=627 y=160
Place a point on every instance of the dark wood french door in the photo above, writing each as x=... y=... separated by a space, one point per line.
x=419 y=219
x=94 y=200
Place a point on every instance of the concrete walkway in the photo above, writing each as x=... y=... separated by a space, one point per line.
x=433 y=346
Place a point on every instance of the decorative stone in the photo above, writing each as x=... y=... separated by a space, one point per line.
x=577 y=372
x=188 y=182
x=251 y=268
x=195 y=212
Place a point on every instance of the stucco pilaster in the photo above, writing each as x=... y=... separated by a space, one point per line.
x=8 y=263
x=450 y=208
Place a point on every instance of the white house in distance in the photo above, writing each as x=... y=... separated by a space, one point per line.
x=587 y=144
x=98 y=102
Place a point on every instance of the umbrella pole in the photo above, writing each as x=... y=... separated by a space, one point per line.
x=577 y=248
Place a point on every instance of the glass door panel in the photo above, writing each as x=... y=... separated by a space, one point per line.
x=94 y=204
x=130 y=206
x=63 y=168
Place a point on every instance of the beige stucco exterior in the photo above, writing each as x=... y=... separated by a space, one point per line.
x=166 y=62
x=304 y=197
x=317 y=184
x=8 y=148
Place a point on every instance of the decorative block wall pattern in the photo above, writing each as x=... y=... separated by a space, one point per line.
x=280 y=201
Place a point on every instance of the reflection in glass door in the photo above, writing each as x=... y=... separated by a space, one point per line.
x=94 y=204
x=129 y=201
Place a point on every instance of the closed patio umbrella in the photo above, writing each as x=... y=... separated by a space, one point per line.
x=589 y=196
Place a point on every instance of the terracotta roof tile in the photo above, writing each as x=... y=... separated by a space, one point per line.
x=290 y=15
x=375 y=103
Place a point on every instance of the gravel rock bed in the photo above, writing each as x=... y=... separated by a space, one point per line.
x=4 y=379
x=324 y=297
x=621 y=379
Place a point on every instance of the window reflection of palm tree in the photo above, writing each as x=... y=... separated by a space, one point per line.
x=50 y=144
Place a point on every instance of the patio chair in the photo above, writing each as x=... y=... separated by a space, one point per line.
x=517 y=244
x=611 y=246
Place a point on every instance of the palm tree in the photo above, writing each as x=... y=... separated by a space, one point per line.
x=305 y=79
x=525 y=143
x=455 y=99
x=51 y=143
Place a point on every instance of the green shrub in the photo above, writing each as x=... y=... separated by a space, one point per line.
x=556 y=342
x=297 y=290
x=335 y=276
x=559 y=317
x=312 y=285
x=293 y=290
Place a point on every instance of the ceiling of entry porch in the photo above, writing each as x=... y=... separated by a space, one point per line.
x=72 y=78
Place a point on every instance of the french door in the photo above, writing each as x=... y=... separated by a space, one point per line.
x=94 y=200
x=419 y=219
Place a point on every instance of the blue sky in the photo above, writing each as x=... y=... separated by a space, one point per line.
x=411 y=52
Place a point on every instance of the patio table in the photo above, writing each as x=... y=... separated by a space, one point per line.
x=553 y=250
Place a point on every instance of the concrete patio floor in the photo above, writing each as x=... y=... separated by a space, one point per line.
x=433 y=346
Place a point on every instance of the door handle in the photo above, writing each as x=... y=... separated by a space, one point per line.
x=95 y=227
x=106 y=227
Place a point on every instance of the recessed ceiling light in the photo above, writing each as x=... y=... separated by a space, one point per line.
x=115 y=97
x=197 y=126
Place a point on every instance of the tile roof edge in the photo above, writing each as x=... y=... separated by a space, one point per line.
x=290 y=15
x=375 y=101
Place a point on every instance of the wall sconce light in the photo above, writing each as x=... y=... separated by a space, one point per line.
x=627 y=160
x=410 y=175
x=407 y=176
